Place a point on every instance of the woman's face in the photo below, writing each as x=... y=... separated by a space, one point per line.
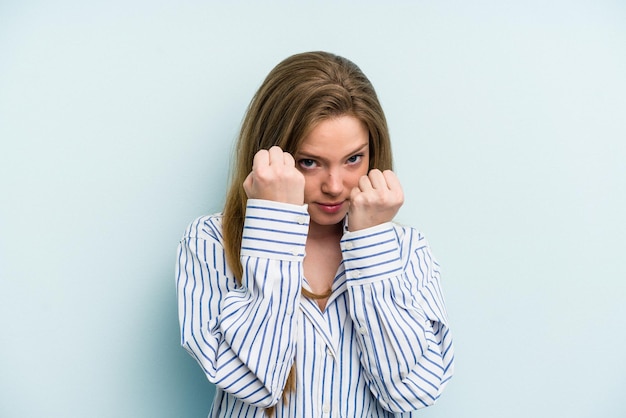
x=332 y=158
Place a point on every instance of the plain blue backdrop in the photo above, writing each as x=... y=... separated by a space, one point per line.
x=117 y=122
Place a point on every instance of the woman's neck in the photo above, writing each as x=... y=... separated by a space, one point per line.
x=323 y=257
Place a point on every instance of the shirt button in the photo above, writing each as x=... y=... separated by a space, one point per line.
x=294 y=251
x=329 y=351
x=362 y=330
x=349 y=245
x=301 y=220
x=326 y=408
x=356 y=274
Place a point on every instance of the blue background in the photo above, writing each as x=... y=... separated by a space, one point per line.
x=117 y=122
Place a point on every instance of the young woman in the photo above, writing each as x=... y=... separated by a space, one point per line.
x=303 y=299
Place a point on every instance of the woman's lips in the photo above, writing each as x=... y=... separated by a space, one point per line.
x=330 y=207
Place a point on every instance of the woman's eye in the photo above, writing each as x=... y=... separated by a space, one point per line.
x=306 y=163
x=355 y=159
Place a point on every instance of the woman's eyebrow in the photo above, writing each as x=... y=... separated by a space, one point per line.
x=307 y=155
x=359 y=149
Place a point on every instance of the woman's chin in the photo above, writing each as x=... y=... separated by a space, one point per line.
x=326 y=219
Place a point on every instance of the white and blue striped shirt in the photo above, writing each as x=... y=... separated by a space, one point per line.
x=381 y=348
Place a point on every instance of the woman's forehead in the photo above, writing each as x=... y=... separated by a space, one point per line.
x=343 y=133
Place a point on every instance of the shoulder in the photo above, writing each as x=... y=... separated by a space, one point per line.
x=207 y=227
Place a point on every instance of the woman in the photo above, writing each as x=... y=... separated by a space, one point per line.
x=303 y=299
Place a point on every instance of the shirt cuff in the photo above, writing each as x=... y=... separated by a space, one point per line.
x=371 y=254
x=274 y=230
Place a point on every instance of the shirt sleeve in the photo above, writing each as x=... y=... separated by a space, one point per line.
x=244 y=336
x=399 y=313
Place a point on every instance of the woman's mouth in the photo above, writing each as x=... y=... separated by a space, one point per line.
x=330 y=207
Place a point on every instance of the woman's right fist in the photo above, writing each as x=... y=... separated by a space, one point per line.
x=274 y=176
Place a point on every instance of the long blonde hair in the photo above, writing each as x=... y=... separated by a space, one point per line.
x=296 y=95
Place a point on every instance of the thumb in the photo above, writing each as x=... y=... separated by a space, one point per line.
x=247 y=184
x=353 y=193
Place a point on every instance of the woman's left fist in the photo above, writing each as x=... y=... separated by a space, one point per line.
x=375 y=200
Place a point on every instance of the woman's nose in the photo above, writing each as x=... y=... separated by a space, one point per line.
x=333 y=184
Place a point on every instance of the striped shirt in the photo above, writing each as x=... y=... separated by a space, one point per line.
x=381 y=348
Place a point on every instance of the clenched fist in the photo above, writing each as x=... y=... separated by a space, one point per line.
x=274 y=176
x=375 y=200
